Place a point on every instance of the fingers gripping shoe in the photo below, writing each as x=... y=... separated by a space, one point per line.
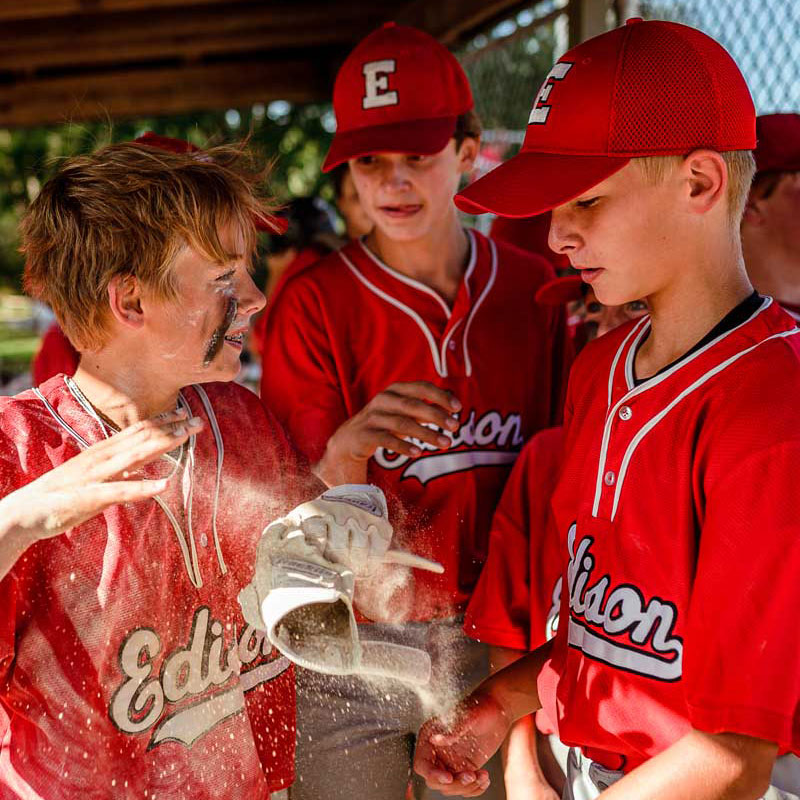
x=302 y=590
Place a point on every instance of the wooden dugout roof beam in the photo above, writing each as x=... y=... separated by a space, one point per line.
x=85 y=59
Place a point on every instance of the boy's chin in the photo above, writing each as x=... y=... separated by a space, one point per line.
x=221 y=369
x=615 y=295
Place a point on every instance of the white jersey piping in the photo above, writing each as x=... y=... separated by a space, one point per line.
x=440 y=365
x=649 y=384
x=617 y=356
x=685 y=393
x=486 y=290
x=418 y=285
x=212 y=418
x=630 y=378
x=473 y=260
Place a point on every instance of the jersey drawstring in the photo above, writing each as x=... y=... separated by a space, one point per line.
x=212 y=418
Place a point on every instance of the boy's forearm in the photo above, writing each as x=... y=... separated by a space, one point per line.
x=514 y=687
x=522 y=772
x=702 y=766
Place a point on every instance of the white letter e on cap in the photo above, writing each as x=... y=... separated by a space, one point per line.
x=376 y=84
x=540 y=111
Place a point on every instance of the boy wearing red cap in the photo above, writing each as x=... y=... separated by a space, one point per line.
x=770 y=229
x=446 y=319
x=674 y=669
x=514 y=607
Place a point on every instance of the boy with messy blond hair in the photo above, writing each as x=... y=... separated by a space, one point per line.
x=126 y=667
x=673 y=673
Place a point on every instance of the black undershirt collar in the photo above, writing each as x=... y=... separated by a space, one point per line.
x=732 y=319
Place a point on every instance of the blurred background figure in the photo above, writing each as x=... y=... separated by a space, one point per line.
x=588 y=318
x=771 y=222
x=348 y=204
x=56 y=354
x=310 y=234
x=529 y=233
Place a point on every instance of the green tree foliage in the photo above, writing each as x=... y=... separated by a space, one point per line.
x=293 y=139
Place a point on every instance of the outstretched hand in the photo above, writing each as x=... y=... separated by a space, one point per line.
x=397 y=419
x=449 y=756
x=97 y=478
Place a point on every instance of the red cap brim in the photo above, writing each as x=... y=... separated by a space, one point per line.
x=277 y=225
x=560 y=291
x=422 y=137
x=532 y=183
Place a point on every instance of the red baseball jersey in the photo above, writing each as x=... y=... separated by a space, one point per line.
x=349 y=326
x=677 y=513
x=126 y=667
x=517 y=599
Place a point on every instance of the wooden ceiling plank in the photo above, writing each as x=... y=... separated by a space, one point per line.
x=451 y=20
x=157 y=92
x=41 y=9
x=63 y=54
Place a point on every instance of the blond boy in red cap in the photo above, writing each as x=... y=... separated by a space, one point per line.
x=515 y=605
x=770 y=229
x=444 y=318
x=673 y=673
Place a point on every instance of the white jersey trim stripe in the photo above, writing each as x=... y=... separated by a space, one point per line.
x=212 y=418
x=628 y=659
x=473 y=260
x=630 y=378
x=418 y=285
x=607 y=428
x=649 y=384
x=484 y=293
x=617 y=357
x=439 y=365
x=685 y=393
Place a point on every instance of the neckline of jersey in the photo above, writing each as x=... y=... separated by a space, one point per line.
x=418 y=285
x=739 y=314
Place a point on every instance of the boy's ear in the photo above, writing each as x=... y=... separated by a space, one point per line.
x=706 y=174
x=467 y=154
x=124 y=300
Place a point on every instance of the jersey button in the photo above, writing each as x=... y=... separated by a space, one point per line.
x=204 y=540
x=451 y=345
x=625 y=413
x=609 y=478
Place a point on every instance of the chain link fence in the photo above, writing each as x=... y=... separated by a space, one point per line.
x=505 y=67
x=762 y=35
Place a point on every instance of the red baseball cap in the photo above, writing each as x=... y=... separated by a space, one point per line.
x=778 y=148
x=399 y=91
x=644 y=89
x=269 y=224
x=560 y=291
